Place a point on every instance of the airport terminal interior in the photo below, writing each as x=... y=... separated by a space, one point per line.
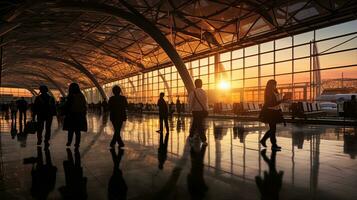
x=63 y=61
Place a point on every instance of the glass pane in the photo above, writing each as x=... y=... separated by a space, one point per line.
x=266 y=58
x=237 y=74
x=225 y=56
x=268 y=46
x=251 y=50
x=282 y=55
x=302 y=65
x=302 y=51
x=282 y=43
x=284 y=67
x=303 y=38
x=334 y=60
x=237 y=53
x=251 y=72
x=267 y=70
x=251 y=61
x=204 y=70
x=203 y=61
x=237 y=64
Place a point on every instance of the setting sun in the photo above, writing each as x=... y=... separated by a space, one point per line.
x=224 y=85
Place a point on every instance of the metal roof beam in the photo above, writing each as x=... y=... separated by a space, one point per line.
x=139 y=20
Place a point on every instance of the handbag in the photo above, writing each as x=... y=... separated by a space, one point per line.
x=204 y=112
x=31 y=127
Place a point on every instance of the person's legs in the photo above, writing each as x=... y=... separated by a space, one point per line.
x=161 y=119
x=40 y=125
x=13 y=117
x=78 y=138
x=118 y=136
x=265 y=136
x=201 y=129
x=166 y=120
x=115 y=127
x=48 y=130
x=24 y=113
x=272 y=136
x=70 y=137
x=20 y=121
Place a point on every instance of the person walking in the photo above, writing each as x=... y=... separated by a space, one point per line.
x=75 y=110
x=44 y=109
x=13 y=110
x=117 y=107
x=178 y=106
x=197 y=102
x=22 y=106
x=271 y=113
x=163 y=113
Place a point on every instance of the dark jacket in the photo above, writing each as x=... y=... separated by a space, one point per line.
x=44 y=106
x=271 y=100
x=117 y=107
x=21 y=105
x=163 y=110
x=75 y=110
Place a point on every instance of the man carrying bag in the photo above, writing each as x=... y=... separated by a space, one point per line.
x=197 y=102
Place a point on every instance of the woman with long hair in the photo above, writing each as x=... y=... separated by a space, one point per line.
x=75 y=110
x=271 y=113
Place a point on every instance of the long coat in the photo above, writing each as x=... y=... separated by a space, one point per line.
x=75 y=110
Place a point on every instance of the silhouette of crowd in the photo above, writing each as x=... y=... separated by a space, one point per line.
x=71 y=112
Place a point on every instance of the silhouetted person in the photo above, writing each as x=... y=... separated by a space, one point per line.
x=195 y=181
x=105 y=106
x=13 y=111
x=178 y=106
x=162 y=150
x=61 y=111
x=117 y=107
x=44 y=109
x=76 y=183
x=197 y=101
x=117 y=188
x=270 y=185
x=43 y=175
x=22 y=106
x=5 y=110
x=171 y=108
x=271 y=113
x=75 y=119
x=163 y=113
x=350 y=107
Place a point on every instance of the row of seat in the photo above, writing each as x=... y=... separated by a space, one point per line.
x=237 y=108
x=306 y=109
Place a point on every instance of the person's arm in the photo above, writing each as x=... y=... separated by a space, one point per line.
x=272 y=101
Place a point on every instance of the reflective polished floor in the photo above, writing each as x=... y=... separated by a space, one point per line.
x=316 y=162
